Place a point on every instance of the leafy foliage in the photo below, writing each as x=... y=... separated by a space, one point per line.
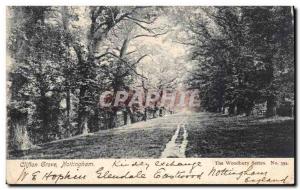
x=242 y=56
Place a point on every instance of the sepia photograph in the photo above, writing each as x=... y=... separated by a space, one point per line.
x=150 y=82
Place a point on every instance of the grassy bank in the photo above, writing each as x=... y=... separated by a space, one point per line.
x=139 y=141
x=223 y=136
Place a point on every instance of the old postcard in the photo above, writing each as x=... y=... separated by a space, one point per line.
x=150 y=95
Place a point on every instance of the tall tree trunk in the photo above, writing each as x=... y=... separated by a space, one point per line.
x=271 y=106
x=68 y=102
x=160 y=112
x=113 y=113
x=21 y=137
x=82 y=110
x=125 y=117
x=249 y=107
x=231 y=109
x=239 y=109
x=94 y=122
x=145 y=114
x=154 y=113
x=131 y=116
x=271 y=98
x=113 y=119
x=43 y=104
x=248 y=111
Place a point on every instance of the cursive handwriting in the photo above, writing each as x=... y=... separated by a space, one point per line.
x=163 y=174
x=106 y=174
x=173 y=163
x=231 y=172
x=50 y=172
x=56 y=177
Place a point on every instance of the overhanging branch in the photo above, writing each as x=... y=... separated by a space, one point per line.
x=124 y=61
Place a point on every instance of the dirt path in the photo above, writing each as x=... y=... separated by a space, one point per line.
x=176 y=147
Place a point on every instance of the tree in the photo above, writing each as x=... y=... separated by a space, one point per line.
x=123 y=59
x=236 y=56
x=38 y=52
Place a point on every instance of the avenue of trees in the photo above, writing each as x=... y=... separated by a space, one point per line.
x=242 y=57
x=61 y=59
